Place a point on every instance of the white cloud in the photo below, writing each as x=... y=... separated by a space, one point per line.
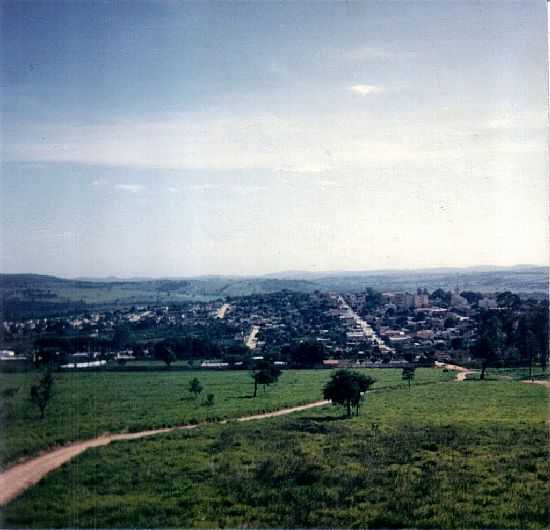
x=285 y=145
x=365 y=90
x=132 y=188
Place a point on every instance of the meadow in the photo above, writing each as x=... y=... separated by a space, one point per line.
x=86 y=405
x=457 y=455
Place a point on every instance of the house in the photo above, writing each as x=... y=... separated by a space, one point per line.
x=214 y=364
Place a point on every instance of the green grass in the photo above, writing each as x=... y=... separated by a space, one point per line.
x=88 y=404
x=515 y=374
x=521 y=373
x=458 y=455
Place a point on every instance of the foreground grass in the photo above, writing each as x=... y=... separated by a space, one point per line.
x=86 y=405
x=459 y=455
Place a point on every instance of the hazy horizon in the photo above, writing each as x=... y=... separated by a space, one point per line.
x=185 y=139
x=297 y=273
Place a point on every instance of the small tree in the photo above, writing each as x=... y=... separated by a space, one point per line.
x=348 y=388
x=209 y=400
x=163 y=352
x=195 y=387
x=489 y=345
x=265 y=374
x=408 y=374
x=42 y=392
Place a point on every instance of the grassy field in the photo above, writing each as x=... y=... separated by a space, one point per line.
x=458 y=455
x=516 y=374
x=88 y=404
x=521 y=373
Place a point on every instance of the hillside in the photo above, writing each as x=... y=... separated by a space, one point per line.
x=40 y=294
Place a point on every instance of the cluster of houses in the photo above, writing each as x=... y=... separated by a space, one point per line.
x=362 y=326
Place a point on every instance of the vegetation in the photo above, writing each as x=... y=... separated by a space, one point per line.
x=509 y=337
x=307 y=354
x=348 y=388
x=459 y=455
x=195 y=387
x=408 y=374
x=88 y=404
x=163 y=352
x=265 y=373
x=42 y=392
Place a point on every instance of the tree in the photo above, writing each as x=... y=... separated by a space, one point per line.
x=540 y=329
x=450 y=322
x=509 y=300
x=138 y=351
x=491 y=338
x=408 y=374
x=209 y=400
x=526 y=342
x=264 y=374
x=347 y=388
x=457 y=343
x=42 y=392
x=441 y=295
x=471 y=296
x=373 y=299
x=306 y=354
x=121 y=337
x=163 y=352
x=195 y=387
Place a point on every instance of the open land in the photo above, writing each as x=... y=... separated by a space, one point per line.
x=455 y=455
x=124 y=441
x=87 y=405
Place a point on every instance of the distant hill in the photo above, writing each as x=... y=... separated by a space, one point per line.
x=259 y=286
x=525 y=279
x=39 y=295
x=23 y=292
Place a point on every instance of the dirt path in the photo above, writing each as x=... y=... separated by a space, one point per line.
x=19 y=477
x=462 y=372
x=538 y=382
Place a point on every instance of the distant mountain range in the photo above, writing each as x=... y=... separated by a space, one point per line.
x=312 y=276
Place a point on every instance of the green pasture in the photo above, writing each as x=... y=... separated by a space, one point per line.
x=457 y=455
x=86 y=405
x=515 y=374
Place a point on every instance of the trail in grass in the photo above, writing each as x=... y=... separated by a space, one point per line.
x=21 y=476
x=461 y=371
x=538 y=382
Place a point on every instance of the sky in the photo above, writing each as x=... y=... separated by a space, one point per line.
x=186 y=138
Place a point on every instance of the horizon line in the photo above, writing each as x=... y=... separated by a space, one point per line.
x=277 y=275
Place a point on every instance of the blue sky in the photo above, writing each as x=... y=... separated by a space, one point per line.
x=182 y=138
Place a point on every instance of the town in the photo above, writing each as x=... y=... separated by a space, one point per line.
x=366 y=328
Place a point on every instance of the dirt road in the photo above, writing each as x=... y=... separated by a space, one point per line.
x=221 y=312
x=21 y=476
x=538 y=382
x=462 y=372
x=251 y=341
